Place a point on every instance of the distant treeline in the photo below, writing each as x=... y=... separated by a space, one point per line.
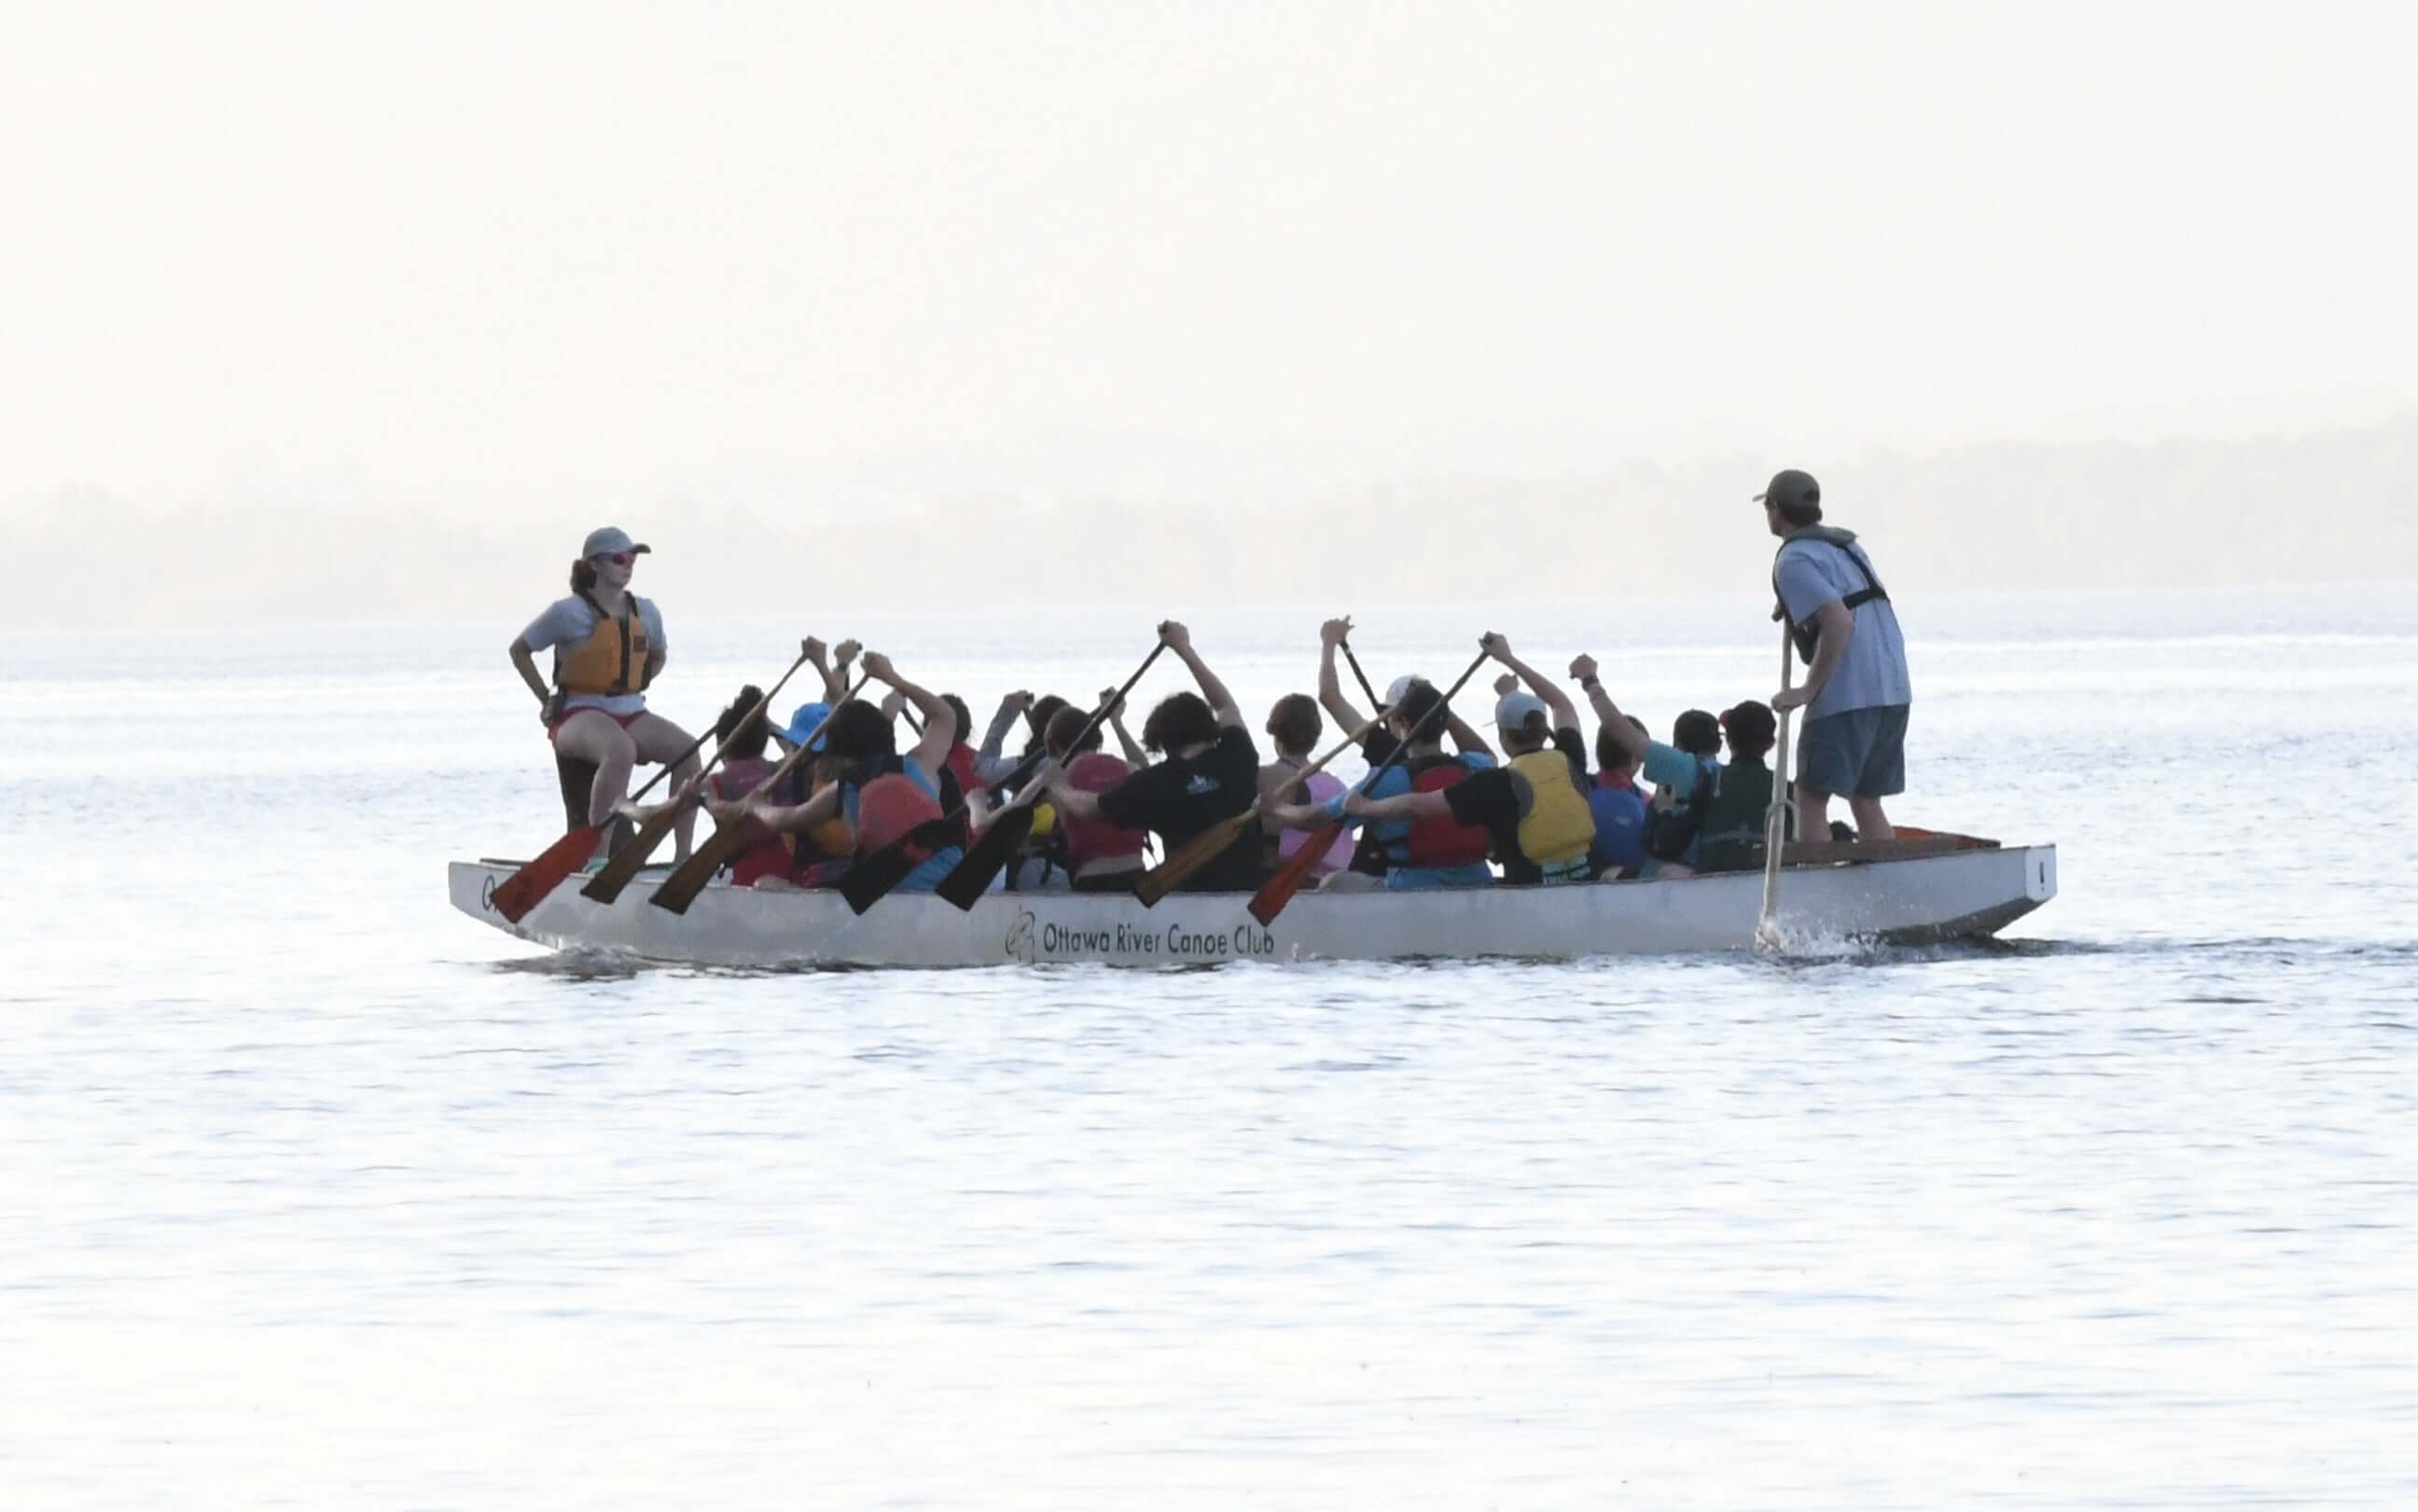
x=2333 y=506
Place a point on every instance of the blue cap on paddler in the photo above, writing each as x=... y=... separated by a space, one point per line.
x=806 y=721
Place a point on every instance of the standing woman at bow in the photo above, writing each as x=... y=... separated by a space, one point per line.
x=608 y=646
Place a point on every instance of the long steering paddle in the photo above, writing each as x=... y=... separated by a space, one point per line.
x=1768 y=938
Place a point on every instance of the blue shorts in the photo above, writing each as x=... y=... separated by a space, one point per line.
x=1859 y=752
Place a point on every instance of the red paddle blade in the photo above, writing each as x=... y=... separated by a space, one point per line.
x=1277 y=890
x=525 y=889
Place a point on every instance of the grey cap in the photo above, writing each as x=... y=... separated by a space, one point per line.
x=1790 y=487
x=1514 y=710
x=1400 y=686
x=608 y=540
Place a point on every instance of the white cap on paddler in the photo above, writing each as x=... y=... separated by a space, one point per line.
x=610 y=540
x=1514 y=710
x=1396 y=689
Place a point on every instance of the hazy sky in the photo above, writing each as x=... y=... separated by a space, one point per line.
x=472 y=253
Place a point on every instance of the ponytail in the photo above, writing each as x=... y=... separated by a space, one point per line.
x=583 y=575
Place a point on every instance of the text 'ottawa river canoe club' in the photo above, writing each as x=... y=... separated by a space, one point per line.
x=1107 y=941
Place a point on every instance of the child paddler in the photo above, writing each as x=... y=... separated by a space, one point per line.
x=608 y=648
x=1212 y=773
x=883 y=797
x=1535 y=803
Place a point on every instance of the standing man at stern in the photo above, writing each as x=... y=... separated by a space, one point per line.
x=1856 y=692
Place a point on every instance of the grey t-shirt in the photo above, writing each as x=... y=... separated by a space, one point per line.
x=569 y=621
x=1872 y=674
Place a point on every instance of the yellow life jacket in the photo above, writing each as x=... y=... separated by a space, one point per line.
x=612 y=661
x=1559 y=826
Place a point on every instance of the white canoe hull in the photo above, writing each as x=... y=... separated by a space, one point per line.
x=1960 y=894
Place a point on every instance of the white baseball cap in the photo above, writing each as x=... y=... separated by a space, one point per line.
x=1513 y=709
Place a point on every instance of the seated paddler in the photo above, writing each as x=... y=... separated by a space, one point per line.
x=885 y=797
x=1534 y=806
x=1430 y=850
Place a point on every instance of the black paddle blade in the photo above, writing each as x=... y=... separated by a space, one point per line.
x=869 y=880
x=525 y=889
x=630 y=853
x=972 y=875
x=1271 y=898
x=675 y=893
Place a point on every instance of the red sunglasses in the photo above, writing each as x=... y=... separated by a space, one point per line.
x=619 y=559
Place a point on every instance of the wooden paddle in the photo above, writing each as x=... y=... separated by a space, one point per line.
x=677 y=890
x=1277 y=890
x=1768 y=938
x=1211 y=842
x=970 y=878
x=607 y=884
x=525 y=889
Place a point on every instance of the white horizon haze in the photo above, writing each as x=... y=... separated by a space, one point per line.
x=521 y=264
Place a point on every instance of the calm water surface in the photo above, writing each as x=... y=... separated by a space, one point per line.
x=314 y=1193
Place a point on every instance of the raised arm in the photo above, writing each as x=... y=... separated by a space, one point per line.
x=1221 y=703
x=1331 y=697
x=931 y=750
x=1625 y=735
x=1557 y=703
x=1465 y=738
x=1135 y=755
x=988 y=764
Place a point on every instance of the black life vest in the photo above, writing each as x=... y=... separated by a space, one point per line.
x=1670 y=832
x=1806 y=637
x=1730 y=831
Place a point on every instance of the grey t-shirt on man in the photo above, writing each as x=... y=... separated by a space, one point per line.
x=1872 y=674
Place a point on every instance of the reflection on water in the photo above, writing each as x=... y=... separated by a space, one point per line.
x=312 y=1192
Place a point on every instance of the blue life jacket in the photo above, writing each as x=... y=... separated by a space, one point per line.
x=1619 y=829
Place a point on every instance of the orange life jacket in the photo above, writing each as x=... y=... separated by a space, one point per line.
x=612 y=661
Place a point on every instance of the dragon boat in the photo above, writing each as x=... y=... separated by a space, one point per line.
x=1938 y=887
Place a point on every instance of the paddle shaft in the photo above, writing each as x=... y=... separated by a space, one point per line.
x=1034 y=789
x=1775 y=824
x=1361 y=677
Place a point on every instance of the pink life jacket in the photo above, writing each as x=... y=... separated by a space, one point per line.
x=1322 y=787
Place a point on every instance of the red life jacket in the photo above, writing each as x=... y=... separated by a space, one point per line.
x=893 y=803
x=1442 y=842
x=1091 y=840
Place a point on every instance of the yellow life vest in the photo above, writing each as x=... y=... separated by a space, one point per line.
x=612 y=661
x=1558 y=827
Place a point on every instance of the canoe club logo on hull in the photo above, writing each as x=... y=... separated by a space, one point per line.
x=1028 y=940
